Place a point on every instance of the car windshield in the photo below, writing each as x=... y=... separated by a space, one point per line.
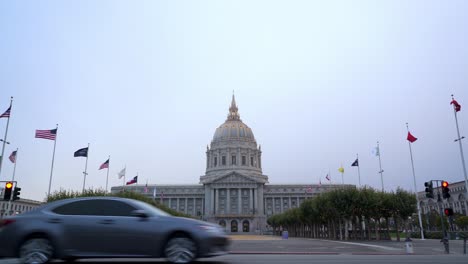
x=151 y=209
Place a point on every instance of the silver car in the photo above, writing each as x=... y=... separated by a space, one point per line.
x=107 y=227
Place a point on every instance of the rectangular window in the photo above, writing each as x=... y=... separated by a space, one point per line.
x=223 y=160
x=251 y=161
x=233 y=160
x=215 y=161
x=244 y=160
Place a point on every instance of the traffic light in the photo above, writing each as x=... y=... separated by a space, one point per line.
x=7 y=191
x=448 y=211
x=429 y=189
x=16 y=193
x=445 y=190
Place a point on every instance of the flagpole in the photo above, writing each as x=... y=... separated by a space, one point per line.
x=342 y=175
x=107 y=178
x=380 y=166
x=9 y=207
x=14 y=167
x=461 y=151
x=5 y=137
x=358 y=170
x=415 y=190
x=53 y=157
x=85 y=169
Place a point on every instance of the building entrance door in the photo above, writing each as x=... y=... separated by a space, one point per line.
x=233 y=226
x=245 y=226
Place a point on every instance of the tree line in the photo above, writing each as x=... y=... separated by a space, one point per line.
x=348 y=213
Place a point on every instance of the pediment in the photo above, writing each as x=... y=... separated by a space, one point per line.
x=234 y=177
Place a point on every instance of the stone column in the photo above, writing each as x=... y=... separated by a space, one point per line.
x=211 y=204
x=186 y=205
x=281 y=204
x=194 y=206
x=239 y=195
x=207 y=201
x=251 y=199
x=256 y=203
x=216 y=200
x=170 y=203
x=273 y=207
x=228 y=201
x=260 y=200
x=177 y=204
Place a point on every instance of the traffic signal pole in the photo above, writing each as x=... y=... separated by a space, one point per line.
x=441 y=211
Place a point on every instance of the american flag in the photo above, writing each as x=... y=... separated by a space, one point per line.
x=47 y=134
x=7 y=113
x=13 y=156
x=105 y=165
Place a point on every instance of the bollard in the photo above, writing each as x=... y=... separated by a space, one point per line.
x=285 y=234
x=409 y=246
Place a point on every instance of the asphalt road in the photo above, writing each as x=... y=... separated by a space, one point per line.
x=303 y=259
x=265 y=249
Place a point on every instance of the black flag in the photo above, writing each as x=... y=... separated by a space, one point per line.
x=81 y=153
x=355 y=163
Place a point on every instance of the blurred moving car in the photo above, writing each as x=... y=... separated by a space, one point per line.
x=107 y=227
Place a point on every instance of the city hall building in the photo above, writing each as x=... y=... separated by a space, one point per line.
x=234 y=192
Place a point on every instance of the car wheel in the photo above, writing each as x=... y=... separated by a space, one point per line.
x=36 y=250
x=180 y=250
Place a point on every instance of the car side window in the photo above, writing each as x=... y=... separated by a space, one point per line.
x=96 y=207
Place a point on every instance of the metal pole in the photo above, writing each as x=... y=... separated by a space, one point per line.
x=14 y=167
x=359 y=172
x=86 y=168
x=380 y=166
x=441 y=212
x=5 y=137
x=13 y=180
x=52 y=166
x=415 y=190
x=461 y=151
x=108 y=165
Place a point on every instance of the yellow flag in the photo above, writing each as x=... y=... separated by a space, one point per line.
x=341 y=169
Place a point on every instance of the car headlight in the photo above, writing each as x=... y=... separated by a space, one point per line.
x=211 y=229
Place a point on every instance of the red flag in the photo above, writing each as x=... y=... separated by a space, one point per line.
x=456 y=105
x=411 y=138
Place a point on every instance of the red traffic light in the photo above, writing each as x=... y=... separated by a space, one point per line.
x=448 y=211
x=445 y=184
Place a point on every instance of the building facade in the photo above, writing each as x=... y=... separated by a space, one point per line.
x=234 y=192
x=457 y=200
x=17 y=207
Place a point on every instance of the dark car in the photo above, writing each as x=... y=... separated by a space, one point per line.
x=107 y=227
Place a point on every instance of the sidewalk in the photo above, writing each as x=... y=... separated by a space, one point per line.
x=257 y=244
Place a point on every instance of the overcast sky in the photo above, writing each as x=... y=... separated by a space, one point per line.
x=148 y=82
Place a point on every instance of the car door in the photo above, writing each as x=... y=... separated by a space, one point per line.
x=82 y=232
x=129 y=235
x=105 y=227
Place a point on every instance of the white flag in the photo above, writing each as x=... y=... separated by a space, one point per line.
x=121 y=173
x=154 y=193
